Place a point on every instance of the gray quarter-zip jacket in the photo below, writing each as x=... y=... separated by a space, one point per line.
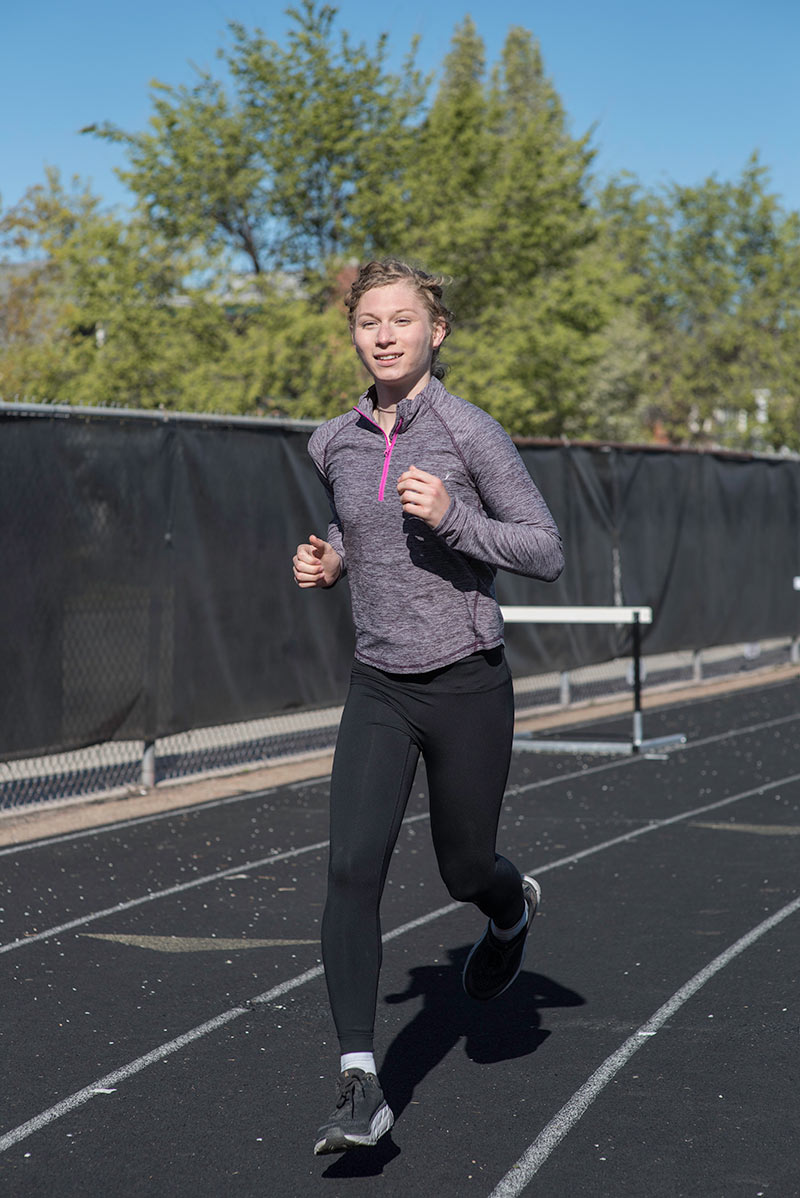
x=423 y=598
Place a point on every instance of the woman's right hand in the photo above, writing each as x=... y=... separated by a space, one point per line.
x=316 y=564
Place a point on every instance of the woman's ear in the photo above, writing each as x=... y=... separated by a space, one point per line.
x=439 y=333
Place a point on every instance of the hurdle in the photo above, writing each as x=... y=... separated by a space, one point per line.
x=636 y=617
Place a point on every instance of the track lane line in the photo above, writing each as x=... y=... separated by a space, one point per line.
x=207 y=879
x=182 y=887
x=528 y=1165
x=14 y=1136
x=195 y=808
x=174 y=812
x=178 y=888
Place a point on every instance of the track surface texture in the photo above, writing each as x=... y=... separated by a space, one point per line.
x=165 y=1027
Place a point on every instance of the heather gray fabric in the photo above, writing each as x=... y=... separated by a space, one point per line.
x=422 y=597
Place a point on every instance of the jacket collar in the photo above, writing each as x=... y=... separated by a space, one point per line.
x=407 y=409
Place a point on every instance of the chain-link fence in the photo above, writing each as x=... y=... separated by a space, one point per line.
x=128 y=768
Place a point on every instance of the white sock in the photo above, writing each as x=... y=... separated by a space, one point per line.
x=506 y=934
x=358 y=1060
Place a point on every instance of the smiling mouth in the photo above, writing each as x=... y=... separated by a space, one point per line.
x=386 y=357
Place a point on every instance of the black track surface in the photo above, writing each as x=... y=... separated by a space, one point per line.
x=707 y=1106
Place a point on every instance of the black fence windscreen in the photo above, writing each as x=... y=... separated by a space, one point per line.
x=146 y=588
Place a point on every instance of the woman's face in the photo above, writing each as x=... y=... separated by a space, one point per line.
x=395 y=337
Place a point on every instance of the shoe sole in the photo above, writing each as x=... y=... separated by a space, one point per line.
x=537 y=890
x=380 y=1123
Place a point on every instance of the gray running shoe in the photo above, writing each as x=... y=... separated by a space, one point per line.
x=493 y=964
x=361 y=1115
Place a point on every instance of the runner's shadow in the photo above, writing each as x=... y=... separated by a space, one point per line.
x=363 y=1162
x=502 y=1030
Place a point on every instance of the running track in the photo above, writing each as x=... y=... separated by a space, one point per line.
x=165 y=1027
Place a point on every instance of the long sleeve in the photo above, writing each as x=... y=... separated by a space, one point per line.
x=515 y=530
x=334 y=536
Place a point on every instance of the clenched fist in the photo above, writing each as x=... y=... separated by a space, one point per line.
x=316 y=564
x=423 y=495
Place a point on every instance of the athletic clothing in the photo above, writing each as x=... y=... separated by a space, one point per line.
x=430 y=676
x=423 y=598
x=461 y=720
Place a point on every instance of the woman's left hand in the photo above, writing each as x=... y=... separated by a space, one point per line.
x=423 y=495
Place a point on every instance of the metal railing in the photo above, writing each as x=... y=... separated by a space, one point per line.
x=617 y=616
x=131 y=767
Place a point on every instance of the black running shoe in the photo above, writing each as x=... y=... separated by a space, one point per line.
x=493 y=964
x=361 y=1115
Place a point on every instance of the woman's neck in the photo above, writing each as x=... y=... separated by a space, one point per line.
x=388 y=397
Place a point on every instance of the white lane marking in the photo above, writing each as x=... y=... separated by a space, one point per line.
x=652 y=826
x=112 y=1080
x=571 y=858
x=179 y=888
x=732 y=732
x=259 y=794
x=233 y=870
x=520 y=1174
x=192 y=809
x=598 y=1080
x=623 y=761
x=139 y=819
x=75 y=1100
x=655 y=825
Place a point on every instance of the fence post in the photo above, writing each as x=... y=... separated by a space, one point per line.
x=563 y=689
x=697 y=666
x=637 y=684
x=149 y=764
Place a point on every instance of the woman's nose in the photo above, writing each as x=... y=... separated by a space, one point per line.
x=385 y=334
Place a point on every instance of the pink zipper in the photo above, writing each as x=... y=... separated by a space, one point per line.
x=387 y=453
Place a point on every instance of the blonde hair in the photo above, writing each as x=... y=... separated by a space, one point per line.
x=385 y=271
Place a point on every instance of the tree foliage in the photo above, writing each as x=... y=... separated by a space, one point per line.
x=283 y=165
x=115 y=330
x=614 y=313
x=198 y=171
x=715 y=299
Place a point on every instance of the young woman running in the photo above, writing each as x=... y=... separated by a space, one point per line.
x=428 y=498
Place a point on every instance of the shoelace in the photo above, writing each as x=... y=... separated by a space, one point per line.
x=347 y=1091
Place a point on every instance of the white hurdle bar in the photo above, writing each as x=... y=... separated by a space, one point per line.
x=635 y=616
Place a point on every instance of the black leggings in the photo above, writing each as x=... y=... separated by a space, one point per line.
x=465 y=740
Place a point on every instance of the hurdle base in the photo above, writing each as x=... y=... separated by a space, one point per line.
x=526 y=742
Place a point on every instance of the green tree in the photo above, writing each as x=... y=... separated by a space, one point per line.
x=336 y=130
x=622 y=315
x=198 y=171
x=116 y=324
x=530 y=360
x=446 y=182
x=503 y=206
x=715 y=279
x=289 y=169
x=287 y=359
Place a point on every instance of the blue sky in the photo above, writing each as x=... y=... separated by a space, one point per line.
x=677 y=91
